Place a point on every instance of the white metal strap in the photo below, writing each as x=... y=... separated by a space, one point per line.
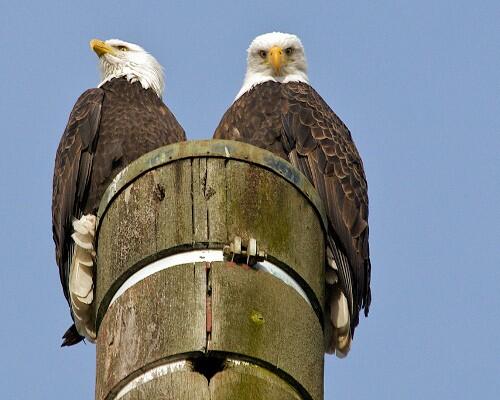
x=196 y=256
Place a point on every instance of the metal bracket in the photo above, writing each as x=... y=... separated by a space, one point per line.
x=250 y=254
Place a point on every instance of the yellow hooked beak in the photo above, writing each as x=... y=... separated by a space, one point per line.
x=276 y=58
x=101 y=48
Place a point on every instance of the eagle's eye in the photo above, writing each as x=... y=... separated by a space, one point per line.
x=289 y=51
x=263 y=53
x=122 y=48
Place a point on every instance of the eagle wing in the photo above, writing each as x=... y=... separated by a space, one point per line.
x=72 y=170
x=321 y=146
x=294 y=122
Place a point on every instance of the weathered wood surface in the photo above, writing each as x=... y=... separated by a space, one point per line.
x=252 y=314
x=159 y=317
x=225 y=149
x=152 y=215
x=181 y=385
x=256 y=315
x=183 y=197
x=243 y=382
x=207 y=201
x=250 y=382
x=263 y=206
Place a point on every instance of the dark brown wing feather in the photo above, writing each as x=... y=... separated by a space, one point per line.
x=108 y=128
x=134 y=122
x=324 y=146
x=255 y=118
x=294 y=122
x=72 y=170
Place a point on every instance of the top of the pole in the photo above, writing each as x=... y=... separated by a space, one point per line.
x=257 y=301
x=228 y=149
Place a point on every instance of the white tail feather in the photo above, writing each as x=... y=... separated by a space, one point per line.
x=83 y=241
x=339 y=311
x=343 y=346
x=81 y=279
x=81 y=283
x=85 y=225
x=330 y=259
x=85 y=259
x=340 y=320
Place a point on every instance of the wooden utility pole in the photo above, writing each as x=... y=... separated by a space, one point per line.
x=178 y=311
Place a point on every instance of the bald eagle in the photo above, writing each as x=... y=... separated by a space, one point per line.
x=276 y=109
x=109 y=127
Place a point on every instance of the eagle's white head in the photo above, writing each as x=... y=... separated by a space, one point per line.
x=122 y=59
x=277 y=57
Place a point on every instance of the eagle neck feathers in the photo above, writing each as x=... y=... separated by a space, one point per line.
x=253 y=79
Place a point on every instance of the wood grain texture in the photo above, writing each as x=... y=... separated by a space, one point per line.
x=250 y=382
x=181 y=385
x=159 y=317
x=126 y=237
x=262 y=206
x=215 y=196
x=197 y=202
x=207 y=202
x=244 y=382
x=258 y=316
x=175 y=211
x=209 y=198
x=150 y=216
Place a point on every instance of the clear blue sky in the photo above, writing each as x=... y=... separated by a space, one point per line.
x=418 y=84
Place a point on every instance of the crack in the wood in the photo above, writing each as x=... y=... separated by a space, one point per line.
x=193 y=229
x=204 y=178
x=208 y=226
x=208 y=305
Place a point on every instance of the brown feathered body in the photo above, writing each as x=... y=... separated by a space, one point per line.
x=108 y=128
x=295 y=123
